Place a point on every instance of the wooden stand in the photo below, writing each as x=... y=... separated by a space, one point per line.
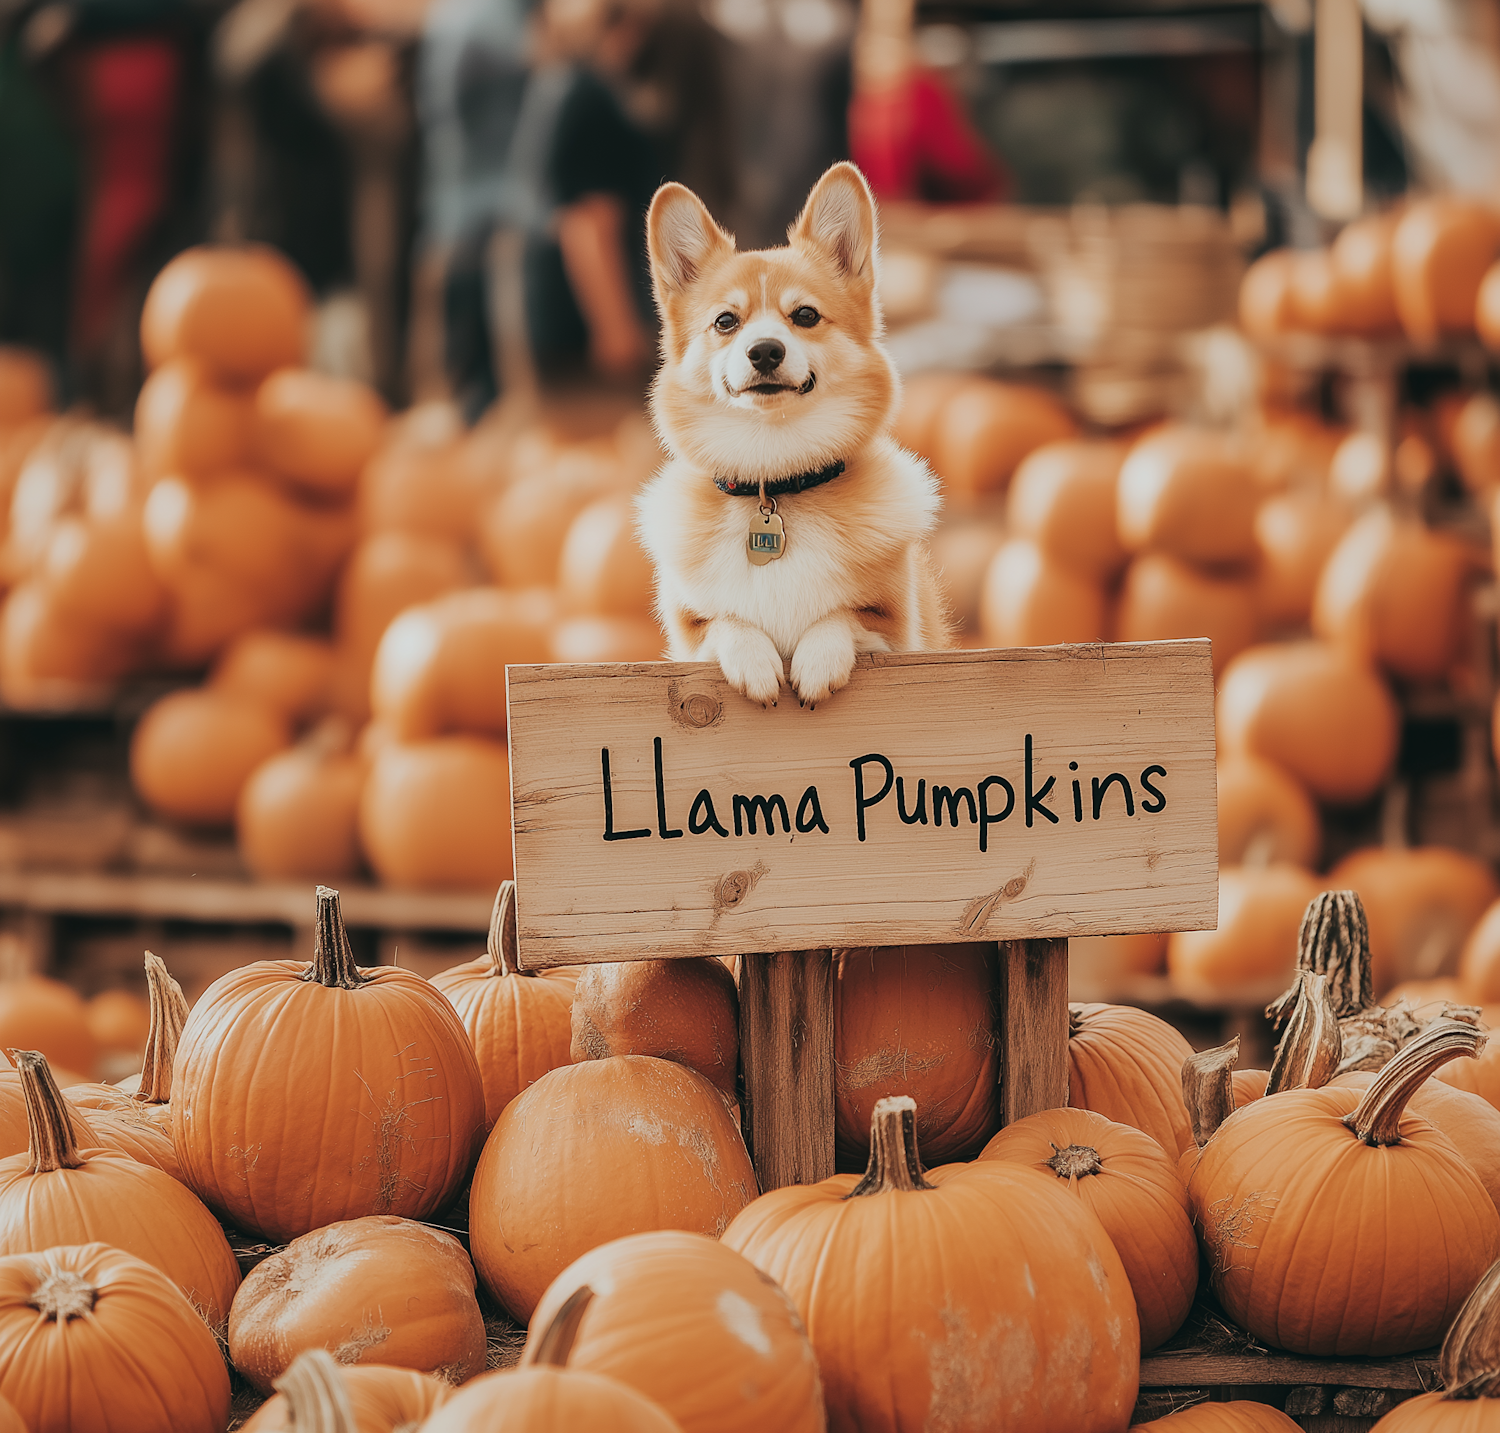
x=786 y=1046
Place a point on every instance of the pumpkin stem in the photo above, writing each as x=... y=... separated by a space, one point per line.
x=1075 y=1019
x=1334 y=940
x=893 y=1149
x=1377 y=1120
x=1208 y=1088
x=1311 y=1045
x=1075 y=1161
x=316 y=1398
x=1470 y=1360
x=502 y=939
x=555 y=1346
x=333 y=961
x=169 y=1013
x=53 y=1134
x=64 y=1294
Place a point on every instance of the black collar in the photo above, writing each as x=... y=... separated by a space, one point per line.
x=775 y=487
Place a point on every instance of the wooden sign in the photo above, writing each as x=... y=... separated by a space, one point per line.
x=941 y=796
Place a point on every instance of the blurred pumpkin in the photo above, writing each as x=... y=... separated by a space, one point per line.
x=961 y=552
x=316 y=430
x=423 y=490
x=209 y=610
x=97 y=572
x=987 y=428
x=1295 y=533
x=1440 y=252
x=603 y=568
x=1317 y=300
x=119 y=1021
x=38 y=1013
x=1104 y=962
x=1164 y=597
x=1265 y=305
x=1475 y=438
x=1361 y=260
x=188 y=425
x=48 y=657
x=920 y=416
x=1487 y=308
x=522 y=531
x=25 y=385
x=298 y=812
x=1479 y=962
x=1265 y=816
x=606 y=639
x=1030 y=599
x=1361 y=468
x=1063 y=497
x=1188 y=492
x=1292 y=449
x=286 y=671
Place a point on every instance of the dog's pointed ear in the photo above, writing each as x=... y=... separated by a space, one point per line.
x=681 y=237
x=839 y=217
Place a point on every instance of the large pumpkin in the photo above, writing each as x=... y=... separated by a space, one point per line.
x=378 y=1290
x=684 y=1010
x=375 y=1106
x=1130 y=1183
x=1126 y=1064
x=917 y=1020
x=379 y=1399
x=695 y=1327
x=947 y=1282
x=595 y=1151
x=94 y=1340
x=1271 y=1193
x=56 y=1194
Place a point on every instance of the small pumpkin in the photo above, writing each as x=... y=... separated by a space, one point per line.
x=1265 y=816
x=341 y=1131
x=48 y=658
x=120 y=1022
x=1361 y=259
x=188 y=425
x=1316 y=295
x=518 y=1021
x=1294 y=532
x=15 y=1128
x=96 y=572
x=1163 y=598
x=298 y=811
x=1125 y=1064
x=987 y=428
x=602 y=567
x=45 y=1014
x=961 y=553
x=1130 y=1183
x=636 y=1143
x=1440 y=252
x=696 y=1328
x=522 y=531
x=368 y=1398
x=1063 y=498
x=1265 y=303
x=683 y=1010
x=315 y=429
x=1030 y=599
x=1188 y=492
x=422 y=489
x=287 y=671
x=1475 y=444
x=1479 y=961
x=1243 y=1415
x=928 y=1275
x=377 y=1290
x=55 y=1194
x=919 y=418
x=95 y=1340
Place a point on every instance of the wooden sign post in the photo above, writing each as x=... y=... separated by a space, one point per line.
x=1015 y=796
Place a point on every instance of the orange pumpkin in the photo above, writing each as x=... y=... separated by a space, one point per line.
x=421 y=489
x=243 y=311
x=919 y=419
x=1475 y=444
x=25 y=385
x=1272 y=1190
x=1361 y=468
x=522 y=532
x=924 y=1275
x=1291 y=449
x=1100 y=962
x=10 y=1420
x=120 y=1022
x=1361 y=258
x=286 y=671
x=1254 y=948
x=95 y=1340
x=1032 y=600
x=1130 y=1183
x=917 y=1020
x=381 y=1400
x=1487 y=307
x=1264 y=815
x=15 y=1127
x=1479 y=961
x=209 y=610
x=1394 y=592
x=1295 y=533
x=1126 y=1064
x=961 y=552
x=602 y=566
x=55 y=1194
x=682 y=1010
x=188 y=425
x=194 y=750
x=97 y=572
x=1241 y=1416
x=316 y=430
x=48 y=658
x=1063 y=498
x=39 y=1013
x=1317 y=300
x=1265 y=305
x=332 y=1289
x=987 y=428
x=1316 y=710
x=1164 y=597
x=1440 y=252
x=341 y=1131
x=517 y=1020
x=635 y=1143
x=440 y=667
x=724 y=1352
x=606 y=639
x=298 y=811
x=1188 y=492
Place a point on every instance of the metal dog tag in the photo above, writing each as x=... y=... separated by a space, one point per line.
x=767 y=537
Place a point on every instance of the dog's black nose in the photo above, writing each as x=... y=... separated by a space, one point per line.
x=766 y=354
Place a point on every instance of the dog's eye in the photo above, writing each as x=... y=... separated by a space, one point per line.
x=727 y=322
x=805 y=317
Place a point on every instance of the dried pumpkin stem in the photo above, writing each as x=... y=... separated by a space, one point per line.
x=1208 y=1088
x=1377 y=1120
x=333 y=960
x=169 y=1013
x=893 y=1149
x=1311 y=1045
x=555 y=1346
x=53 y=1133
x=64 y=1294
x=316 y=1398
x=501 y=945
x=1333 y=941
x=1074 y=1162
x=1470 y=1360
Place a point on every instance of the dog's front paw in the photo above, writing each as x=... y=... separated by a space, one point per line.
x=822 y=663
x=752 y=665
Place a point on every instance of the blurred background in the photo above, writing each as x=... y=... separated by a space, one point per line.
x=325 y=330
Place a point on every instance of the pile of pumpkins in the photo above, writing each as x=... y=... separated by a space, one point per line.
x=564 y=1147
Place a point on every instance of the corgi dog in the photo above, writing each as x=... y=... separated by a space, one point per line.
x=787 y=525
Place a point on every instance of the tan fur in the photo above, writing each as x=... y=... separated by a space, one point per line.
x=856 y=575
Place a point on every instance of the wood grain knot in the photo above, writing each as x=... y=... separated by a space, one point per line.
x=733 y=888
x=1013 y=887
x=695 y=710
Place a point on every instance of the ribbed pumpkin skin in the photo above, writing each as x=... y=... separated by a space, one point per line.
x=518 y=1025
x=295 y=1104
x=548 y=1400
x=1479 y=1076
x=1432 y=1413
x=1136 y=1196
x=117 y=1200
x=953 y=1295
x=383 y=1400
x=596 y=1151
x=14 y=1131
x=1126 y=1065
x=917 y=1020
x=696 y=1328
x=1240 y=1416
x=1272 y=1193
x=142 y=1140
x=10 y=1420
x=141 y=1363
